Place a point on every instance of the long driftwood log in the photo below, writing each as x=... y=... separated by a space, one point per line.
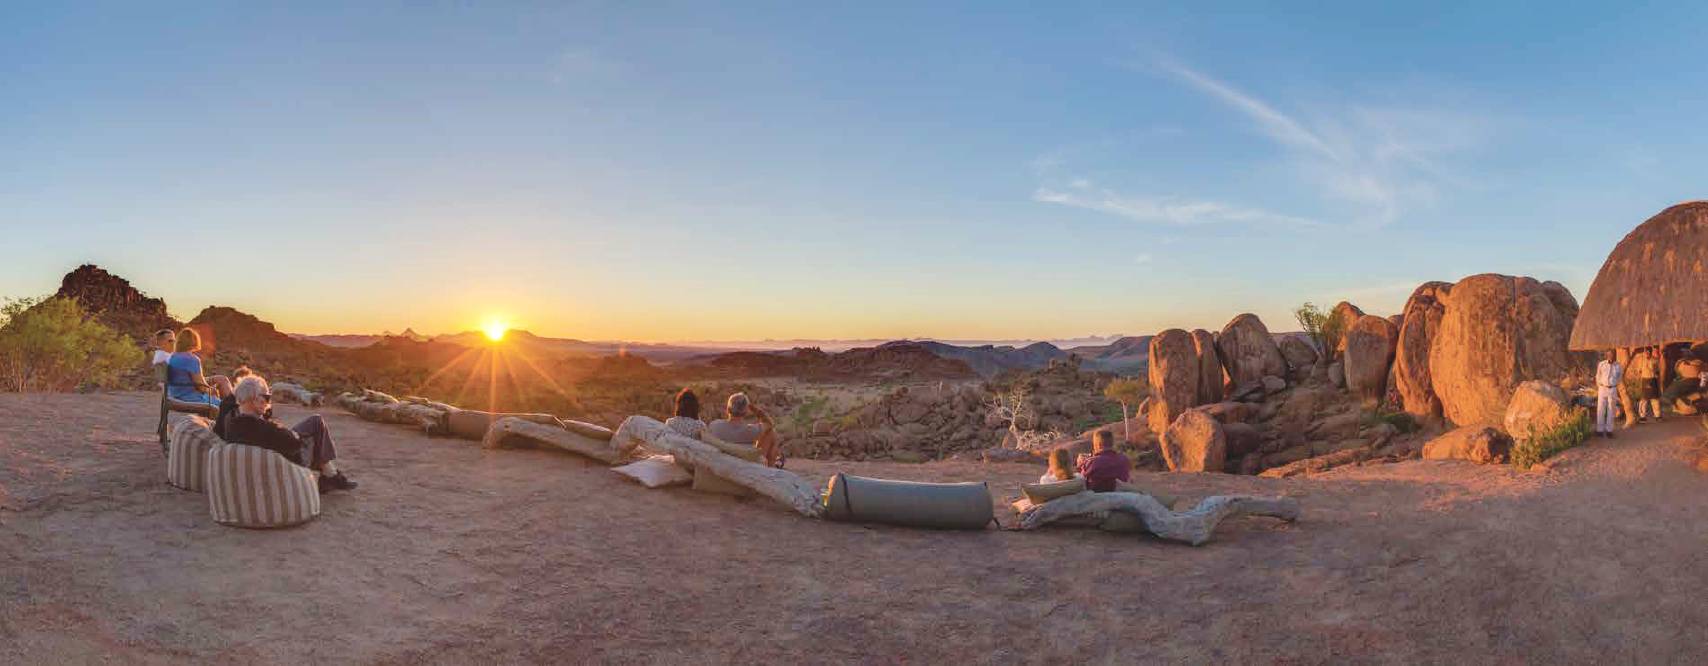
x=431 y=421
x=784 y=486
x=509 y=427
x=1193 y=526
x=288 y=392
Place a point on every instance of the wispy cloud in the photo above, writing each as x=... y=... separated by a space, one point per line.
x=1381 y=161
x=1353 y=165
x=1163 y=210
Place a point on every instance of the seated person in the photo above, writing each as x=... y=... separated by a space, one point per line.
x=1061 y=467
x=1105 y=466
x=308 y=443
x=160 y=348
x=745 y=424
x=686 y=419
x=228 y=404
x=184 y=380
x=1689 y=380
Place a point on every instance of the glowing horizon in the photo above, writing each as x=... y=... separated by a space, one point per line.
x=640 y=173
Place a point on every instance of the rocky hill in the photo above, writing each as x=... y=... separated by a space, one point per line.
x=1126 y=356
x=115 y=302
x=990 y=360
x=895 y=361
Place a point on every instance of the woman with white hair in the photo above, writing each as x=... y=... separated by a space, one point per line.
x=308 y=443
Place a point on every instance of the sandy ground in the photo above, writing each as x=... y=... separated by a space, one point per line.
x=452 y=554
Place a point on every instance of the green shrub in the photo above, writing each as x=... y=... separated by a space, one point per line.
x=1539 y=446
x=53 y=345
x=1322 y=326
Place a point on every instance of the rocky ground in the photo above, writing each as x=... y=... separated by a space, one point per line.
x=452 y=554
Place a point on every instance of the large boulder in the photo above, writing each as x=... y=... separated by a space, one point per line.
x=1248 y=352
x=1242 y=439
x=1537 y=407
x=1173 y=377
x=1341 y=318
x=1209 y=367
x=1195 y=443
x=1369 y=352
x=1479 y=444
x=1422 y=318
x=1497 y=331
x=1300 y=356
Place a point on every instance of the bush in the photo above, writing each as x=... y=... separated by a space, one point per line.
x=1322 y=327
x=53 y=345
x=1539 y=446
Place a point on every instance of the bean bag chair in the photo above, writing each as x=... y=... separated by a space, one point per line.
x=186 y=453
x=1040 y=493
x=953 y=506
x=249 y=486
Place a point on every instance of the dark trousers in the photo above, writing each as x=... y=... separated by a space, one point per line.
x=317 y=447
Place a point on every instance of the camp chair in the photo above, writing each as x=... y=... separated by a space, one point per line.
x=168 y=405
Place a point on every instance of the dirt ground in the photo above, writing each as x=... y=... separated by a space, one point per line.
x=452 y=554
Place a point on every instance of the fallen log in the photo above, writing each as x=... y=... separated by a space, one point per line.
x=1193 y=526
x=784 y=486
x=431 y=421
x=295 y=393
x=473 y=423
x=509 y=427
x=370 y=394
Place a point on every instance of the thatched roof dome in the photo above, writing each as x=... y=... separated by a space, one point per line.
x=1653 y=288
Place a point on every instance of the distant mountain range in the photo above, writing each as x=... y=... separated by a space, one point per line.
x=1125 y=355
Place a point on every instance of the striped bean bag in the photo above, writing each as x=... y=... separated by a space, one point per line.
x=249 y=486
x=186 y=453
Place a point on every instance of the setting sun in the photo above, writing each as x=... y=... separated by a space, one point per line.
x=495 y=330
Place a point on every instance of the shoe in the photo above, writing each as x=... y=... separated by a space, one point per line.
x=339 y=482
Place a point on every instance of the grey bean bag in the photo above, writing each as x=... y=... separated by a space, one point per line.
x=949 y=506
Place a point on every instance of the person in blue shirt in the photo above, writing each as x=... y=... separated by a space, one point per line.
x=184 y=379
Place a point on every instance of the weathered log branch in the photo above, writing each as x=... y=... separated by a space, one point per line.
x=577 y=443
x=783 y=486
x=288 y=392
x=1193 y=526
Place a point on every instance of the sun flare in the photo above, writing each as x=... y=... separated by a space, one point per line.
x=495 y=330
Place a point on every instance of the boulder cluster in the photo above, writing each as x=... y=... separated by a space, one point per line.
x=1486 y=355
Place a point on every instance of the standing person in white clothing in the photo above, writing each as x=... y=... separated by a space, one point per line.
x=1607 y=377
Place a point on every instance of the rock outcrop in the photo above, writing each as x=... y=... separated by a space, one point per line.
x=1369 y=352
x=1343 y=316
x=1496 y=332
x=1209 y=367
x=1300 y=356
x=1248 y=352
x=1195 y=443
x=114 y=302
x=1421 y=320
x=1537 y=407
x=1173 y=377
x=1478 y=444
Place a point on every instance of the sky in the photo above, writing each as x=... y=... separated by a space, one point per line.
x=735 y=171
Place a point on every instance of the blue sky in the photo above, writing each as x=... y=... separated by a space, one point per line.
x=655 y=171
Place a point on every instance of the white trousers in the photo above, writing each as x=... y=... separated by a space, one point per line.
x=1606 y=403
